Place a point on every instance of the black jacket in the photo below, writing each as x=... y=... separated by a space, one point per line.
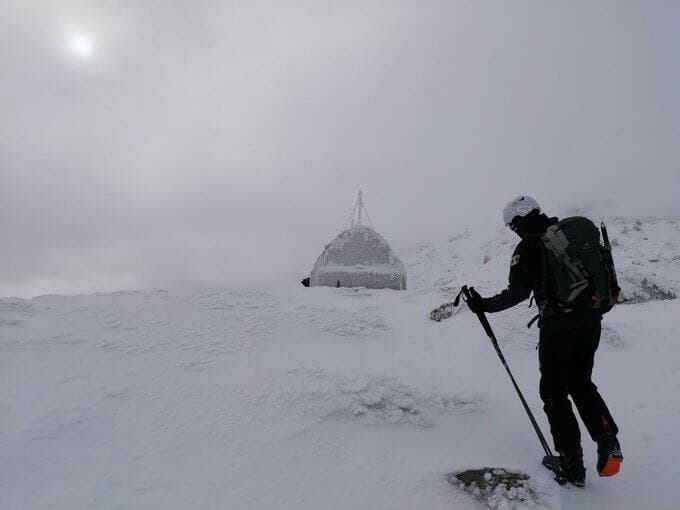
x=527 y=276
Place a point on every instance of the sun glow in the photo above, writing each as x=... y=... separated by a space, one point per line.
x=81 y=46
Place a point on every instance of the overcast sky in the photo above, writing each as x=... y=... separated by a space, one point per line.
x=193 y=144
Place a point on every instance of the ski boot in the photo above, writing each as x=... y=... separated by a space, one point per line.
x=573 y=470
x=609 y=456
x=568 y=467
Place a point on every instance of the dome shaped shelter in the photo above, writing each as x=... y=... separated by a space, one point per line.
x=359 y=257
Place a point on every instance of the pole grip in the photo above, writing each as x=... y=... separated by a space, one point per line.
x=482 y=318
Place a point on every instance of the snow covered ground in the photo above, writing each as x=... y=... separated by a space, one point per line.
x=324 y=398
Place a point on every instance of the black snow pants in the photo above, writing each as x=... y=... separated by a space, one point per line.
x=566 y=363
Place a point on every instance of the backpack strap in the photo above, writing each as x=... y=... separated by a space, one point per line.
x=534 y=319
x=555 y=240
x=549 y=300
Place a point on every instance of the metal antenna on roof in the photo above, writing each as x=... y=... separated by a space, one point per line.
x=355 y=217
x=361 y=204
x=362 y=207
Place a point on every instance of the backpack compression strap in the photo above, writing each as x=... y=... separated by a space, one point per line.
x=555 y=240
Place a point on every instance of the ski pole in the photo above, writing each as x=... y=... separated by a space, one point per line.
x=489 y=332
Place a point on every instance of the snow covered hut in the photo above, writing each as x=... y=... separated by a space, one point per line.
x=359 y=257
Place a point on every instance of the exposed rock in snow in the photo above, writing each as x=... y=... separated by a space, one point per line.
x=497 y=488
x=642 y=291
x=443 y=312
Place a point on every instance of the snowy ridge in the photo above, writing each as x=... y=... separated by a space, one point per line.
x=646 y=253
x=323 y=397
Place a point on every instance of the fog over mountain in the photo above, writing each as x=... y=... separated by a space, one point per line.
x=221 y=144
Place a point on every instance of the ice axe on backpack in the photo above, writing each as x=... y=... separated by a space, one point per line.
x=471 y=293
x=609 y=260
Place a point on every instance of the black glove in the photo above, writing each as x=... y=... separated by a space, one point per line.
x=476 y=303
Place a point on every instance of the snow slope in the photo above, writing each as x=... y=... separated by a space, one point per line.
x=321 y=397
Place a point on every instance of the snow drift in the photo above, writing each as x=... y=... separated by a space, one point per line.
x=324 y=398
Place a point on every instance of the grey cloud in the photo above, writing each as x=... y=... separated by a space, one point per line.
x=222 y=143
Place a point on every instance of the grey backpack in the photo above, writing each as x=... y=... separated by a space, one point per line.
x=582 y=267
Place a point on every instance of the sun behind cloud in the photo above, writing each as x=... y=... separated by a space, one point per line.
x=81 y=46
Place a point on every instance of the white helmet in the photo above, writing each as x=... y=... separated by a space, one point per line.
x=520 y=206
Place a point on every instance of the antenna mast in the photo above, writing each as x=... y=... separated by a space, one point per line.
x=355 y=217
x=360 y=204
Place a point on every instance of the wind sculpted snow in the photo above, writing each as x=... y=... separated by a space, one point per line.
x=321 y=397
